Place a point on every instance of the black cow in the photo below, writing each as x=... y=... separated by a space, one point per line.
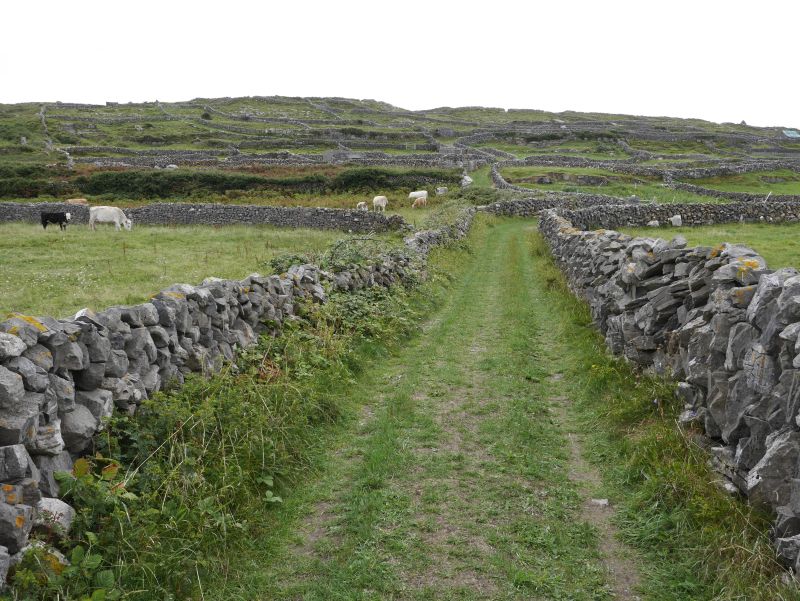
x=60 y=218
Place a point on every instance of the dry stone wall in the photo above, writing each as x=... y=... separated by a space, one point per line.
x=720 y=322
x=216 y=214
x=61 y=379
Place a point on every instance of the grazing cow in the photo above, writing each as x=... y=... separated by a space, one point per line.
x=109 y=215
x=380 y=202
x=420 y=202
x=418 y=194
x=362 y=206
x=60 y=218
x=77 y=201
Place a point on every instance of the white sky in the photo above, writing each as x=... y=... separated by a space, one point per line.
x=712 y=59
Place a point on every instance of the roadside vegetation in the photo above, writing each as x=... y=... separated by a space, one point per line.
x=778 y=243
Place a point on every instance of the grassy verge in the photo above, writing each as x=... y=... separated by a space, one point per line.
x=173 y=497
x=698 y=542
x=778 y=243
x=55 y=273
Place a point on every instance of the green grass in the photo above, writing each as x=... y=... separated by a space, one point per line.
x=664 y=147
x=754 y=182
x=619 y=185
x=481 y=178
x=778 y=243
x=54 y=273
x=457 y=487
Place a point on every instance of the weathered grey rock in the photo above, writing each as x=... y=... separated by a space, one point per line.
x=77 y=428
x=140 y=343
x=14 y=463
x=64 y=392
x=11 y=346
x=91 y=377
x=5 y=565
x=33 y=378
x=48 y=440
x=48 y=465
x=40 y=355
x=117 y=364
x=18 y=410
x=55 y=515
x=99 y=402
x=70 y=355
x=653 y=223
x=676 y=220
x=16 y=522
x=769 y=482
x=12 y=388
x=759 y=369
x=24 y=327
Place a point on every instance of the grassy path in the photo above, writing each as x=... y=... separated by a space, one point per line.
x=463 y=478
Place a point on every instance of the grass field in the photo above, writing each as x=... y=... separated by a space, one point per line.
x=618 y=184
x=52 y=273
x=779 y=244
x=778 y=182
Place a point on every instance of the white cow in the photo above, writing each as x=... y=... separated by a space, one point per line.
x=418 y=194
x=109 y=215
x=362 y=206
x=380 y=202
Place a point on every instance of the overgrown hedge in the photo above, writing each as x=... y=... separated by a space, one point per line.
x=164 y=184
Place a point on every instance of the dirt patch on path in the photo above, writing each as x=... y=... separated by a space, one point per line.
x=624 y=576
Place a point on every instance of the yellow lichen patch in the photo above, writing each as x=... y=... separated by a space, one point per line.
x=55 y=563
x=7 y=487
x=715 y=252
x=178 y=295
x=19 y=521
x=31 y=320
x=751 y=263
x=11 y=498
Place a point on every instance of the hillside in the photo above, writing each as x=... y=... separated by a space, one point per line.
x=56 y=149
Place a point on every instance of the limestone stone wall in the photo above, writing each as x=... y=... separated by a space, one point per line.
x=216 y=214
x=60 y=379
x=721 y=323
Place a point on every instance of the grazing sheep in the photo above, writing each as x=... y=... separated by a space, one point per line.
x=420 y=202
x=77 y=201
x=418 y=194
x=362 y=206
x=380 y=202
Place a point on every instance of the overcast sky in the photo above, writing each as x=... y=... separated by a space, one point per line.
x=711 y=59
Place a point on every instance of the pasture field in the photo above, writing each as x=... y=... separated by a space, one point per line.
x=55 y=273
x=670 y=147
x=778 y=243
x=567 y=179
x=782 y=181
